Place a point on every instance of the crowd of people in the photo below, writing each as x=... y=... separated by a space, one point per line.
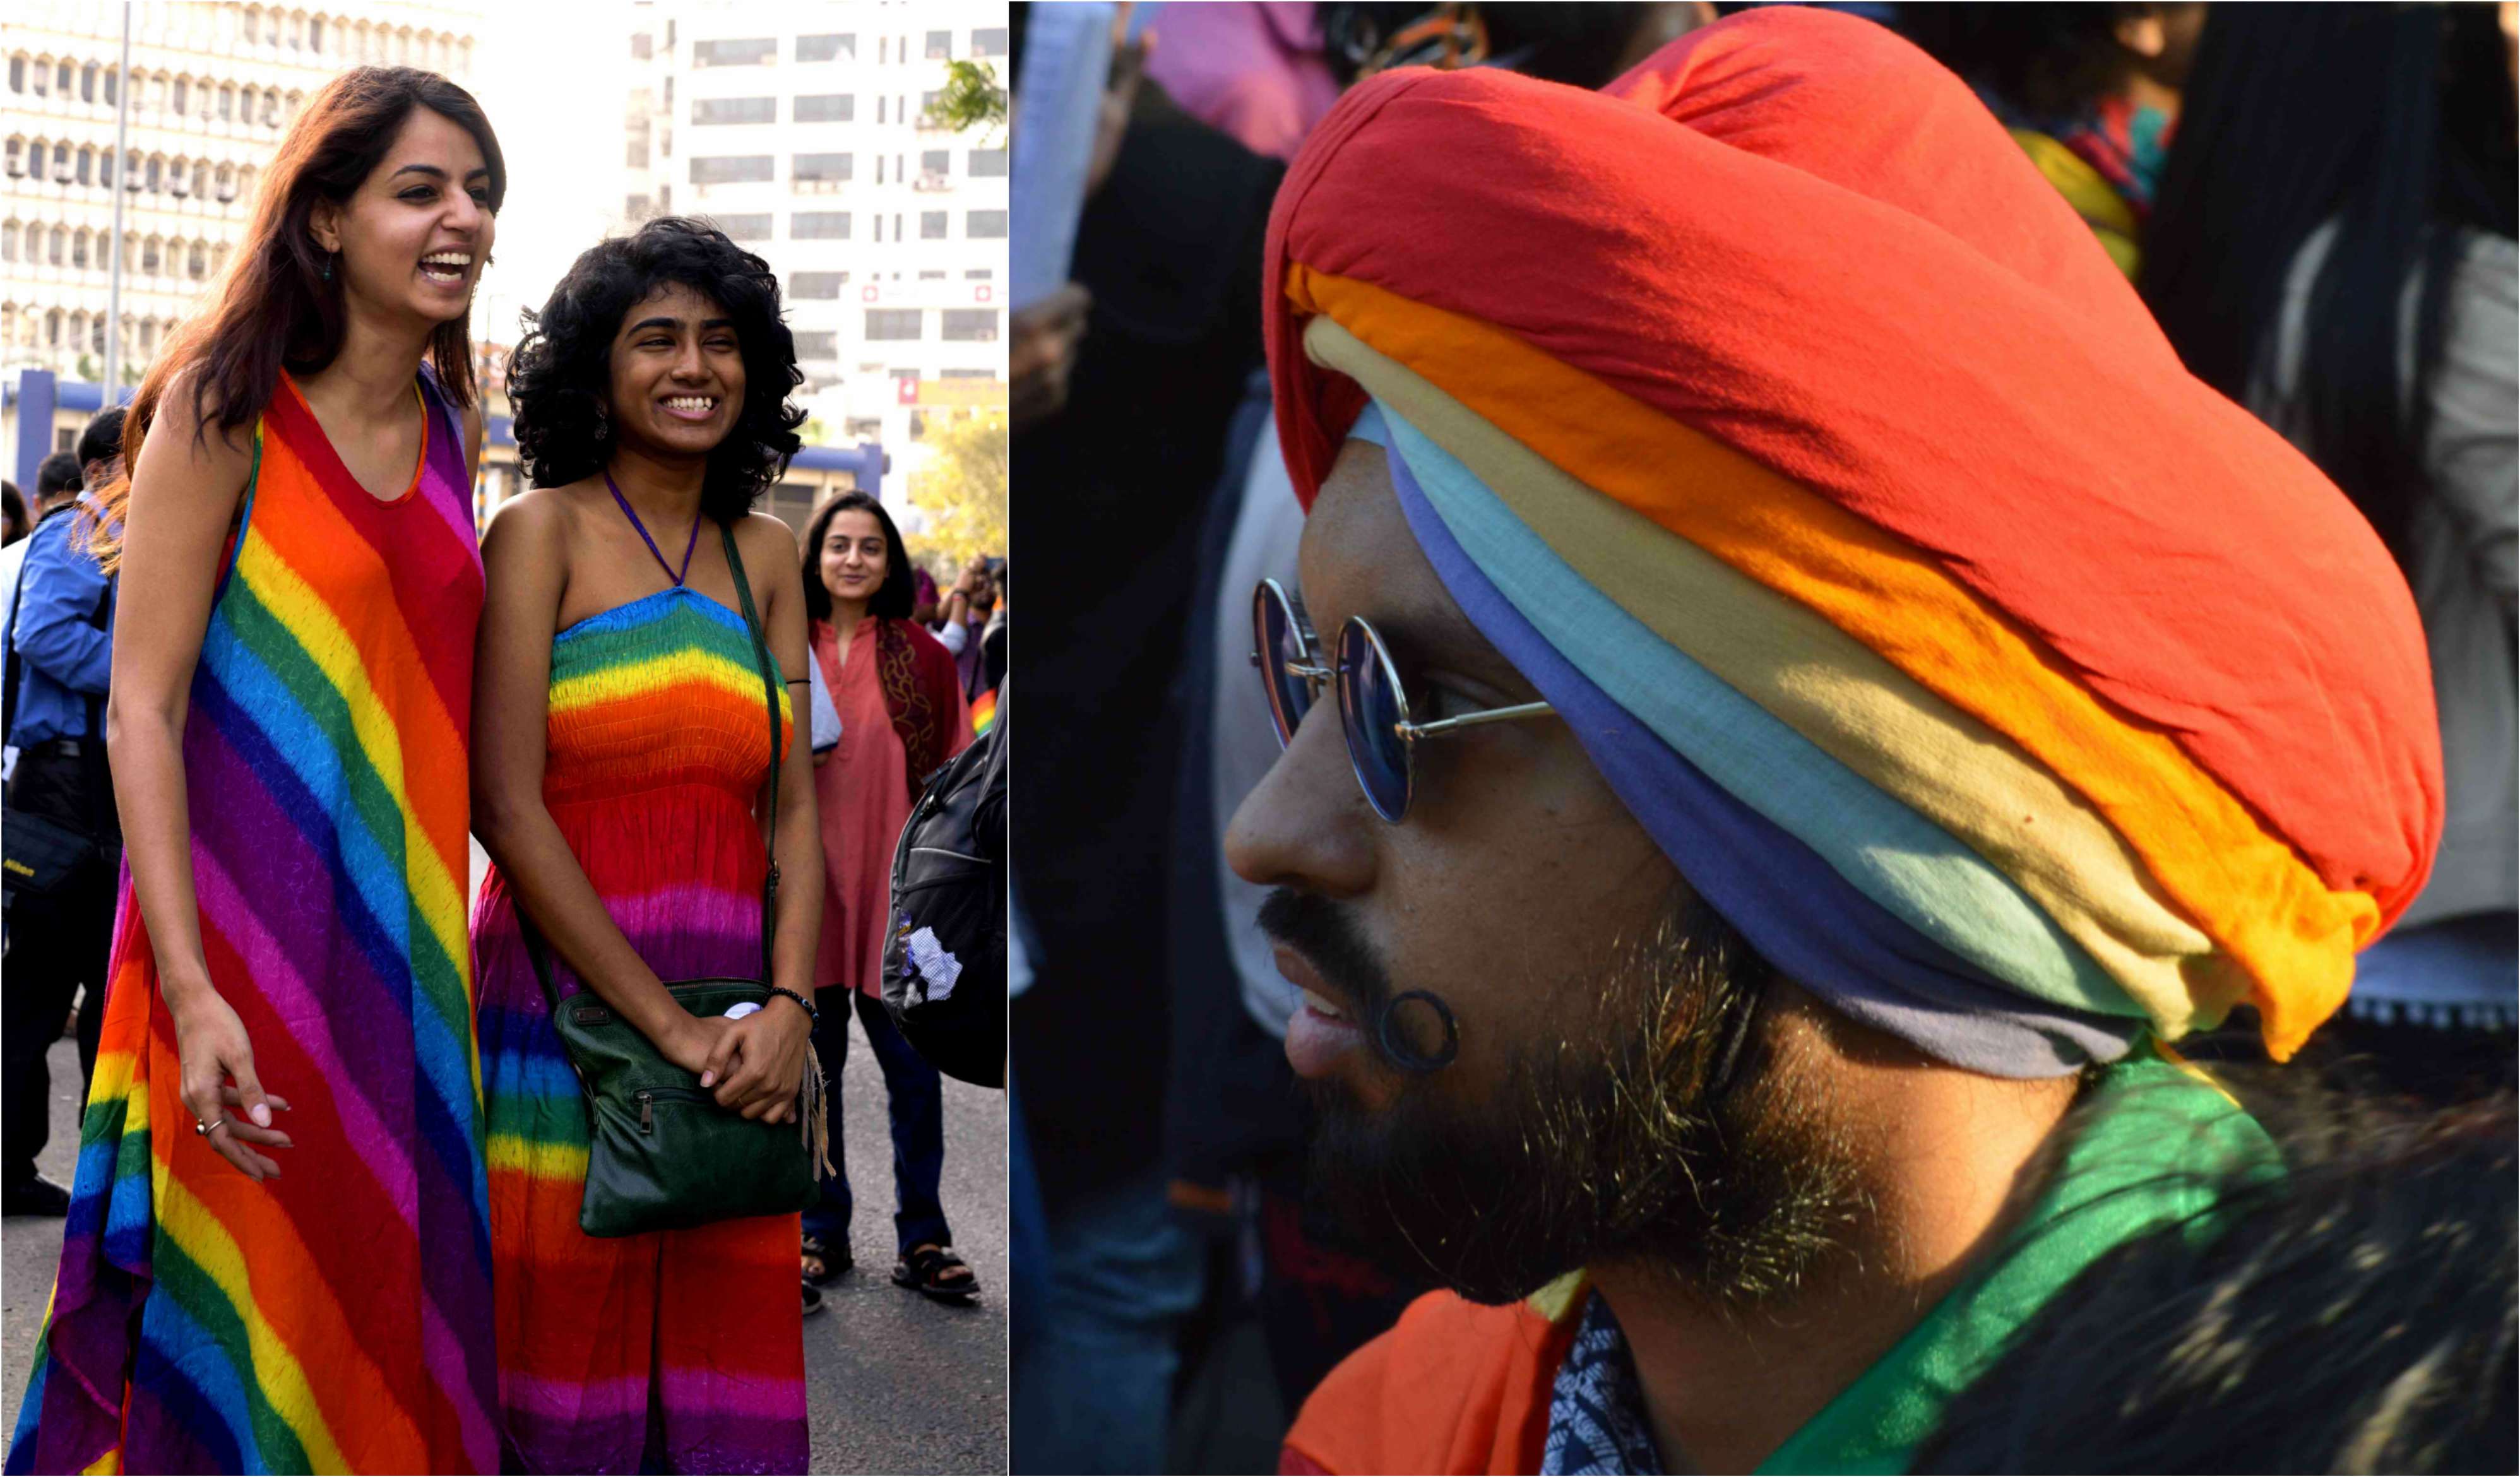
x=343 y=1144
x=1909 y=857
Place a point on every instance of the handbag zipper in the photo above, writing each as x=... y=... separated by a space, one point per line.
x=647 y=1103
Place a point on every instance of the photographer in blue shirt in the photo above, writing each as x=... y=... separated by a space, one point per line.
x=60 y=655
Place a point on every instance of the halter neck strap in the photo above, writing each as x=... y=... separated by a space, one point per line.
x=632 y=515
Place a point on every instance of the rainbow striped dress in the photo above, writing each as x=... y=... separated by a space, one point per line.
x=337 y=1317
x=674 y=1351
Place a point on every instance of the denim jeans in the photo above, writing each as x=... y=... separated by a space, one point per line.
x=1094 y=1385
x=916 y=1099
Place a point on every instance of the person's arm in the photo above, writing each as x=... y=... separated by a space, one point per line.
x=957 y=633
x=55 y=636
x=524 y=559
x=184 y=495
x=2475 y=441
x=473 y=428
x=763 y=1059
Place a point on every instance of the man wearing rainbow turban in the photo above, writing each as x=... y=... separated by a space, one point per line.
x=1812 y=698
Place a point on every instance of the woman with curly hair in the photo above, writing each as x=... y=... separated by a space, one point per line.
x=624 y=738
x=900 y=704
x=292 y=671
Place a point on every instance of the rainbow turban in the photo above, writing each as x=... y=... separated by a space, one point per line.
x=2006 y=686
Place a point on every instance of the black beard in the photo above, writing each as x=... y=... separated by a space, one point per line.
x=1629 y=1139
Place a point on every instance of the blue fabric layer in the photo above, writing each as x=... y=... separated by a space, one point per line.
x=1803 y=917
x=1921 y=874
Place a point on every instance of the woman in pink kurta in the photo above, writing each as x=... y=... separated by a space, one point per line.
x=902 y=716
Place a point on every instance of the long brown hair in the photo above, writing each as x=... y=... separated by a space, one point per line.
x=277 y=307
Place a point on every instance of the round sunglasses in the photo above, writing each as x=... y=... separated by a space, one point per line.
x=1374 y=710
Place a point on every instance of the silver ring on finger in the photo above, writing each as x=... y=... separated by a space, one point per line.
x=207 y=1129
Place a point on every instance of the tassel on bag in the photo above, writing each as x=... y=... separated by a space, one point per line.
x=813 y=1123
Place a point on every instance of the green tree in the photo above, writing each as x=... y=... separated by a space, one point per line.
x=971 y=99
x=962 y=489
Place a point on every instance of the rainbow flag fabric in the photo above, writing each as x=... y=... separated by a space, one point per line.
x=985 y=713
x=677 y=1350
x=337 y=1317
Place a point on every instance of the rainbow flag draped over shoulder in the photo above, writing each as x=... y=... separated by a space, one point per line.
x=985 y=713
x=337 y=1317
x=1770 y=407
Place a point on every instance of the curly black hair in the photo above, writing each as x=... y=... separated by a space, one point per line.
x=562 y=368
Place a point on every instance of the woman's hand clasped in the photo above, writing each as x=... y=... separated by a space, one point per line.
x=219 y=1088
x=760 y=1061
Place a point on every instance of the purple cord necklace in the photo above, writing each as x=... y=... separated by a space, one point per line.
x=632 y=515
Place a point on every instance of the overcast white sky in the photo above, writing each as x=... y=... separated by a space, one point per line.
x=552 y=76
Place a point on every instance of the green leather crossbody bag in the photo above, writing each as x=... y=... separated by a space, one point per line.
x=661 y=1154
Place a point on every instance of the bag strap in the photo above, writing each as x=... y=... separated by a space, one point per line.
x=770 y=696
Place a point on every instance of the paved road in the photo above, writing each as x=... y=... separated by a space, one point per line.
x=895 y=1383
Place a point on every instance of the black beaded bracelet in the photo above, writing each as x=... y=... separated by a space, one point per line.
x=802 y=1003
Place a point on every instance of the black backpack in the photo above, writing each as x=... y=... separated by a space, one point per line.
x=949 y=915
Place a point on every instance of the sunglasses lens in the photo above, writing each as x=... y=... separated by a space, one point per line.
x=1369 y=709
x=1281 y=647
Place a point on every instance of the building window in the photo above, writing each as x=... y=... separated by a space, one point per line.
x=642 y=47
x=818 y=225
x=227 y=103
x=78 y=251
x=892 y=323
x=157 y=174
x=17 y=73
x=61 y=81
x=148 y=256
x=932 y=225
x=635 y=209
x=928 y=107
x=986 y=163
x=183 y=93
x=985 y=225
x=733 y=169
x=817 y=284
x=819 y=173
x=879 y=101
x=940 y=45
x=87 y=83
x=744 y=227
x=817 y=345
x=87 y=166
x=826 y=48
x=271 y=109
x=734 y=109
x=980 y=274
x=9 y=241
x=989 y=41
x=751 y=51
x=862 y=427
x=197 y=263
x=935 y=163
x=827 y=108
x=315 y=33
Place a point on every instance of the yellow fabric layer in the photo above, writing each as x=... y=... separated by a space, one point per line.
x=1840 y=695
x=2250 y=892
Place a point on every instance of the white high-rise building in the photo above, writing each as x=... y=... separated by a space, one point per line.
x=214 y=88
x=801 y=130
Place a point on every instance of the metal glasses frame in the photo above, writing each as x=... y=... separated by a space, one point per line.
x=1358 y=640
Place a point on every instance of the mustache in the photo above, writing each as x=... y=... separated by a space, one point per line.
x=1329 y=939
